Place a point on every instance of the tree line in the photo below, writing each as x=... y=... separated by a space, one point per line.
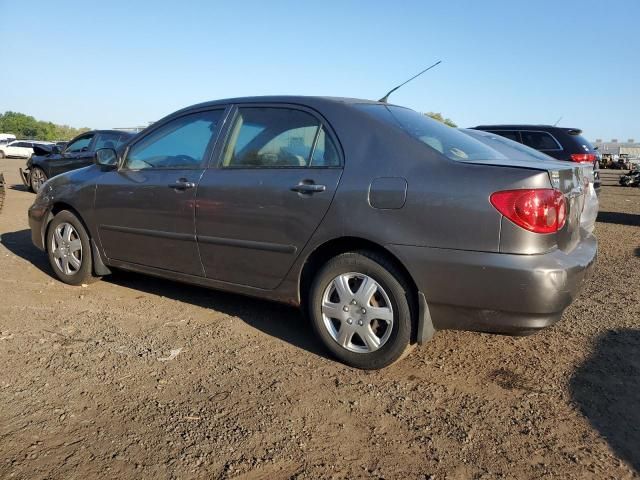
x=438 y=116
x=27 y=127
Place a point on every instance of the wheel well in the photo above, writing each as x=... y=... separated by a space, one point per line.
x=337 y=246
x=57 y=208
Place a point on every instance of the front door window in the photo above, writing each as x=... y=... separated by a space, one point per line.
x=180 y=144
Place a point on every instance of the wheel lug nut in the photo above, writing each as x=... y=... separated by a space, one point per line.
x=360 y=322
x=345 y=308
x=363 y=311
x=353 y=302
x=349 y=321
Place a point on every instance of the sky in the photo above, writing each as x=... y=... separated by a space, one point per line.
x=126 y=63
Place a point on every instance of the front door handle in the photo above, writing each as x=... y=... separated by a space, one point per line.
x=182 y=184
x=308 y=188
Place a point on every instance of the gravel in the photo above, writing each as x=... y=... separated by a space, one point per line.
x=139 y=377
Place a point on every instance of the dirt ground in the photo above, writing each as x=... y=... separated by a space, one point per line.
x=134 y=377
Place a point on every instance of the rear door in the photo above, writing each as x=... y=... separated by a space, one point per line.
x=76 y=154
x=275 y=179
x=145 y=209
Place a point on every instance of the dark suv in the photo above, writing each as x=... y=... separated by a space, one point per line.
x=558 y=142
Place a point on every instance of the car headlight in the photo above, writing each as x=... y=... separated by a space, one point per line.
x=44 y=194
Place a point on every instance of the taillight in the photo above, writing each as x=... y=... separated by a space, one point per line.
x=539 y=210
x=583 y=157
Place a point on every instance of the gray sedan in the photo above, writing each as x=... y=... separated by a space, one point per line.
x=385 y=225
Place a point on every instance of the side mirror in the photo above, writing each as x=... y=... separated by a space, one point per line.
x=55 y=149
x=106 y=158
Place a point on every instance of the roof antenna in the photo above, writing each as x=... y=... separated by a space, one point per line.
x=386 y=97
x=557 y=122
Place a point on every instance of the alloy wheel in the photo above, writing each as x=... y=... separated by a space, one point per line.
x=37 y=179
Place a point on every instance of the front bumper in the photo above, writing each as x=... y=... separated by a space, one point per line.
x=24 y=175
x=497 y=292
x=38 y=219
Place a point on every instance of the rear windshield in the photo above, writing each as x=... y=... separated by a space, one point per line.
x=582 y=142
x=438 y=136
x=507 y=147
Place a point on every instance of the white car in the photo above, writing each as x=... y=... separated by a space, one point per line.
x=19 y=148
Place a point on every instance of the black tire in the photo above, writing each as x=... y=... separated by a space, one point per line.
x=82 y=274
x=32 y=184
x=396 y=288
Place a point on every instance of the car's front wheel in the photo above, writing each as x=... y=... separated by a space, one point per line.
x=37 y=178
x=69 y=249
x=360 y=307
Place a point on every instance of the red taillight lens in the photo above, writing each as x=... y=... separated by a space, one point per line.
x=583 y=157
x=539 y=210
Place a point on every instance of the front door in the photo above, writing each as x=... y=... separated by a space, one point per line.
x=274 y=182
x=145 y=209
x=75 y=155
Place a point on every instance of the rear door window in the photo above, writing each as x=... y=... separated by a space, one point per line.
x=325 y=153
x=270 y=137
x=540 y=140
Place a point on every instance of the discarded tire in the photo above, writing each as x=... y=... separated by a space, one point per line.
x=2 y=186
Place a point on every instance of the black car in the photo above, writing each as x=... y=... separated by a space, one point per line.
x=558 y=142
x=50 y=160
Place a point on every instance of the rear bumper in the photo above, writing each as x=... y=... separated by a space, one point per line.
x=497 y=292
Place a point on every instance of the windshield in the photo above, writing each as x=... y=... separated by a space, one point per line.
x=446 y=140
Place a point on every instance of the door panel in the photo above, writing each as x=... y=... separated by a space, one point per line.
x=251 y=226
x=259 y=208
x=145 y=210
x=142 y=220
x=68 y=161
x=77 y=154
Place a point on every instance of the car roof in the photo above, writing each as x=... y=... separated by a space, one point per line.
x=303 y=99
x=125 y=132
x=527 y=126
x=310 y=101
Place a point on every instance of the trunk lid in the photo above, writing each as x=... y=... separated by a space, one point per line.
x=573 y=180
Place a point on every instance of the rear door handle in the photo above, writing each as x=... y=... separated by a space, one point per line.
x=182 y=184
x=308 y=188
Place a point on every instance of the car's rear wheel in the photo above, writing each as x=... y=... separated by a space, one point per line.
x=69 y=249
x=360 y=307
x=2 y=154
x=37 y=177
